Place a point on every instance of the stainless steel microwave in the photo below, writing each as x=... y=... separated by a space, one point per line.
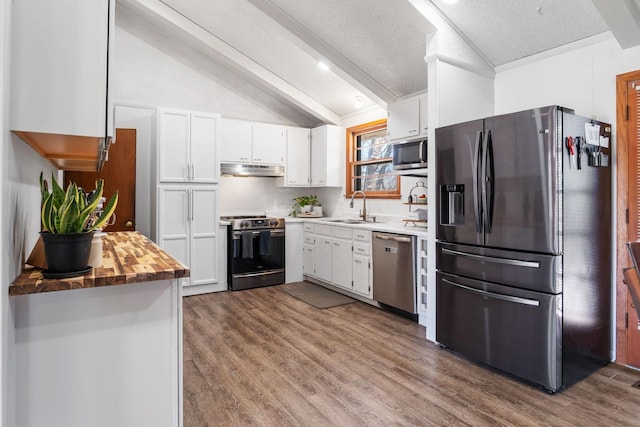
x=410 y=157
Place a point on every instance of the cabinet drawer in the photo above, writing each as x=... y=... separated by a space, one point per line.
x=309 y=239
x=342 y=232
x=361 y=248
x=307 y=226
x=323 y=229
x=362 y=235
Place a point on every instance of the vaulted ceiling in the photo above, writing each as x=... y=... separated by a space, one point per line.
x=373 y=50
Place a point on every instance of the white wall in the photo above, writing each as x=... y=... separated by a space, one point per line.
x=149 y=73
x=583 y=79
x=141 y=119
x=20 y=167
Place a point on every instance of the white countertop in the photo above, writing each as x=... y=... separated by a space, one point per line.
x=392 y=226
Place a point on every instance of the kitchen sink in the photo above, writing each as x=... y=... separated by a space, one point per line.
x=351 y=221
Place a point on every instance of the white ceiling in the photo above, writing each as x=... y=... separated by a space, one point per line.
x=375 y=48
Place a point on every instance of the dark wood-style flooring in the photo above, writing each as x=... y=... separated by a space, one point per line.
x=261 y=357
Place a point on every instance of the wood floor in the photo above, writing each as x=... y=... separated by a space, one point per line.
x=261 y=357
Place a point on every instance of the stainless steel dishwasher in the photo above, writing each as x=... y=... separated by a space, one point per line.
x=393 y=271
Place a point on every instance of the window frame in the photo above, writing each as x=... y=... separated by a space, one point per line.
x=351 y=138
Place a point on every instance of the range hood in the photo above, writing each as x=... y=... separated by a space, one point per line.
x=251 y=170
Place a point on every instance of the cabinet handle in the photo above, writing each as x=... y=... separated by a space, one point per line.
x=191 y=209
x=257 y=160
x=413 y=131
x=357 y=261
x=193 y=172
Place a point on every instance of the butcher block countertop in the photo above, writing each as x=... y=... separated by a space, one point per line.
x=128 y=257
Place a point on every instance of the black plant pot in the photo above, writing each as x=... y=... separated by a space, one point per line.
x=67 y=254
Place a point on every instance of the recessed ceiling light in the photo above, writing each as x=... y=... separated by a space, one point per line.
x=323 y=66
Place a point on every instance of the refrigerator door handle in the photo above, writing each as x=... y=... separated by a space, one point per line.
x=476 y=171
x=487 y=182
x=514 y=262
x=517 y=300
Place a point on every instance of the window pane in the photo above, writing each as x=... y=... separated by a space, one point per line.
x=375 y=183
x=373 y=145
x=374 y=169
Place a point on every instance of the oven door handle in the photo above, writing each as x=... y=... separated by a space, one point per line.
x=273 y=233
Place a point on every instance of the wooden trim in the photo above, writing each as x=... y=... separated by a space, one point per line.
x=622 y=228
x=351 y=133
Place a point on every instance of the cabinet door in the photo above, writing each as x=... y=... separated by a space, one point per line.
x=404 y=119
x=235 y=144
x=322 y=258
x=294 y=252
x=319 y=156
x=173 y=146
x=204 y=227
x=269 y=143
x=308 y=260
x=60 y=69
x=204 y=129
x=362 y=275
x=424 y=118
x=297 y=166
x=341 y=263
x=173 y=222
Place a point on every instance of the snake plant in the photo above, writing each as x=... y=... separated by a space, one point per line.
x=72 y=211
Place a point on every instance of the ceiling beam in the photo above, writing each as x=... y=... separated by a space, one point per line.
x=623 y=19
x=317 y=48
x=170 y=16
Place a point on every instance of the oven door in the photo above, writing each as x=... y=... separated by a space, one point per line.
x=410 y=155
x=256 y=258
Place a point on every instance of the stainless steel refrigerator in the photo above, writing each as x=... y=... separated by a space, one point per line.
x=523 y=281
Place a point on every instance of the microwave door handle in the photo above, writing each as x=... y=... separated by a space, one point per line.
x=420 y=148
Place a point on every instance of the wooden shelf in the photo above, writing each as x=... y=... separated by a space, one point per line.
x=414 y=204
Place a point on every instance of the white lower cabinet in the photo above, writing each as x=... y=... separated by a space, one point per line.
x=322 y=257
x=362 y=275
x=340 y=256
x=187 y=229
x=362 y=263
x=294 y=243
x=341 y=271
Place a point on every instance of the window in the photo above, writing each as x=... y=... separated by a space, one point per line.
x=369 y=166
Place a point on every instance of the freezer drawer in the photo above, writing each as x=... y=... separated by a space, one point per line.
x=516 y=331
x=536 y=272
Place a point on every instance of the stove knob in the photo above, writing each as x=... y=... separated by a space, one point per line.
x=244 y=224
x=274 y=223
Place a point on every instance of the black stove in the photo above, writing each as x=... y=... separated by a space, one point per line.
x=255 y=251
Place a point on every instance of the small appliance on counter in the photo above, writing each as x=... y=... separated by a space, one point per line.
x=255 y=251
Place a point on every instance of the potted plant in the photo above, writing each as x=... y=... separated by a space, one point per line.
x=68 y=222
x=304 y=204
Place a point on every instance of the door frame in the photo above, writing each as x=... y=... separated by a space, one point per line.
x=622 y=203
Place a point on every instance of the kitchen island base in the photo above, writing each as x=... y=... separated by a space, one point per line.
x=103 y=356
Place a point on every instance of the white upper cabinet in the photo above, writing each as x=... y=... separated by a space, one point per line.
x=61 y=63
x=204 y=147
x=186 y=144
x=269 y=143
x=252 y=143
x=236 y=141
x=407 y=119
x=327 y=156
x=297 y=158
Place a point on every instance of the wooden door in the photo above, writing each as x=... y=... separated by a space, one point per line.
x=628 y=221
x=119 y=173
x=633 y=144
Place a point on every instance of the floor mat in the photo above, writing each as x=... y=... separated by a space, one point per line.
x=316 y=295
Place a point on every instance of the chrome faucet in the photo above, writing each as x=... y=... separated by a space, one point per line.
x=363 y=212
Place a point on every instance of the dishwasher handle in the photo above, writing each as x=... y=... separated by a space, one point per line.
x=393 y=237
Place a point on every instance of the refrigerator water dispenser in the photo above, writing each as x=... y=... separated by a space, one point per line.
x=452 y=204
